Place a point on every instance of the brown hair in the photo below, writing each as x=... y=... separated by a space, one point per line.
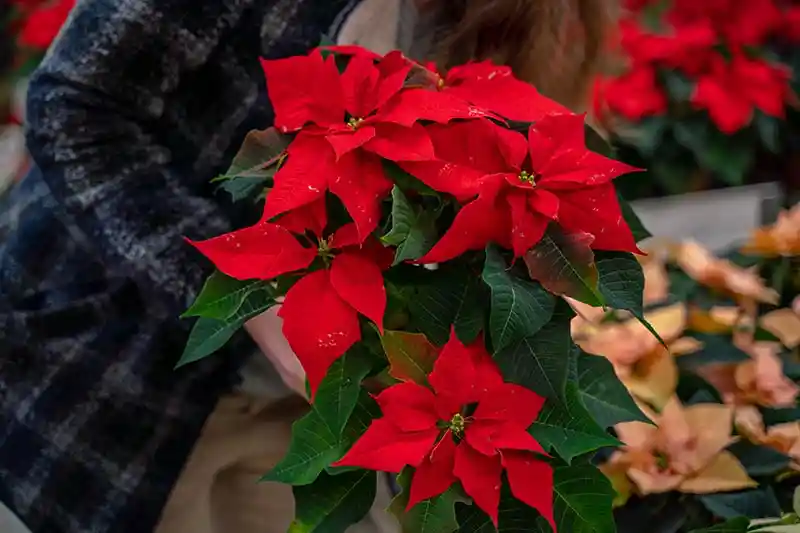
x=554 y=44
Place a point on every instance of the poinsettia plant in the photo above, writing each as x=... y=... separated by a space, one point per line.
x=722 y=395
x=703 y=90
x=427 y=236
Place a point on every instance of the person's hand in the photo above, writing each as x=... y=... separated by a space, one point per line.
x=265 y=329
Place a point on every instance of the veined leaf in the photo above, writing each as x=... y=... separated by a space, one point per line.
x=333 y=503
x=564 y=265
x=519 y=308
x=261 y=149
x=737 y=525
x=513 y=516
x=412 y=233
x=540 y=362
x=640 y=233
x=221 y=296
x=754 y=503
x=411 y=355
x=583 y=497
x=435 y=515
x=604 y=396
x=339 y=391
x=209 y=335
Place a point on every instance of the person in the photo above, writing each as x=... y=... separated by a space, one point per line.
x=136 y=106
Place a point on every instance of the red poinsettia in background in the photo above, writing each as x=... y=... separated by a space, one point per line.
x=717 y=46
x=468 y=426
x=39 y=21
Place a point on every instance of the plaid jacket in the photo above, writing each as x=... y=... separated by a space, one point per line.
x=138 y=104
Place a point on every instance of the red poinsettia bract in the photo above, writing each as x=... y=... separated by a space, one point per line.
x=634 y=95
x=320 y=311
x=43 y=21
x=347 y=122
x=436 y=431
x=734 y=88
x=515 y=187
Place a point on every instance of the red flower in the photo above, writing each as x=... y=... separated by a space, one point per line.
x=320 y=312
x=688 y=48
x=737 y=23
x=435 y=432
x=42 y=24
x=634 y=95
x=522 y=186
x=348 y=121
x=791 y=24
x=733 y=89
x=495 y=89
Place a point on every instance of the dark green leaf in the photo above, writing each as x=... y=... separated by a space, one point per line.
x=595 y=142
x=774 y=417
x=245 y=187
x=410 y=355
x=541 y=362
x=737 y=525
x=640 y=233
x=568 y=428
x=769 y=131
x=728 y=157
x=405 y=181
x=759 y=460
x=513 y=516
x=435 y=515
x=605 y=397
x=564 y=265
x=338 y=393
x=447 y=298
x=519 y=308
x=648 y=135
x=754 y=503
x=221 y=296
x=209 y=335
x=260 y=149
x=333 y=503
x=412 y=233
x=678 y=86
x=315 y=444
x=716 y=349
x=583 y=497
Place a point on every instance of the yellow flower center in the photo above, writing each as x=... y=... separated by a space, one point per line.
x=440 y=83
x=457 y=424
x=324 y=249
x=354 y=123
x=527 y=177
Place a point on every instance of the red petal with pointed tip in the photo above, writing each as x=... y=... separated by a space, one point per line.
x=263 y=251
x=435 y=474
x=596 y=211
x=303 y=178
x=409 y=406
x=360 y=183
x=399 y=143
x=463 y=182
x=480 y=477
x=489 y=437
x=346 y=141
x=311 y=217
x=360 y=86
x=304 y=89
x=351 y=50
x=476 y=224
x=527 y=226
x=318 y=324
x=496 y=89
x=510 y=403
x=387 y=449
x=413 y=105
x=359 y=282
x=464 y=373
x=531 y=482
x=544 y=202
x=345 y=236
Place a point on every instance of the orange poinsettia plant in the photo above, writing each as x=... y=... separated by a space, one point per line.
x=423 y=233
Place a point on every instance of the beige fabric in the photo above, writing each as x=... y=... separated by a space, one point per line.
x=218 y=492
x=373 y=25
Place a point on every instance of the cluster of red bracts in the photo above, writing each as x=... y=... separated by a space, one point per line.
x=716 y=44
x=40 y=21
x=450 y=132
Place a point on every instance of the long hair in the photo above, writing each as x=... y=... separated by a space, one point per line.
x=554 y=44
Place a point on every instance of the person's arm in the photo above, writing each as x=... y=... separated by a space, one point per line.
x=93 y=115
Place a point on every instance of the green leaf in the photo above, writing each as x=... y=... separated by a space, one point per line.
x=564 y=265
x=519 y=308
x=594 y=142
x=411 y=355
x=640 y=233
x=568 y=428
x=315 y=444
x=209 y=335
x=221 y=297
x=541 y=362
x=333 y=503
x=769 y=131
x=583 y=497
x=759 y=460
x=729 y=157
x=716 y=349
x=774 y=417
x=737 y=525
x=678 y=86
x=435 y=515
x=621 y=282
x=260 y=149
x=754 y=503
x=448 y=297
x=412 y=233
x=339 y=391
x=605 y=397
x=513 y=516
x=648 y=135
x=244 y=187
